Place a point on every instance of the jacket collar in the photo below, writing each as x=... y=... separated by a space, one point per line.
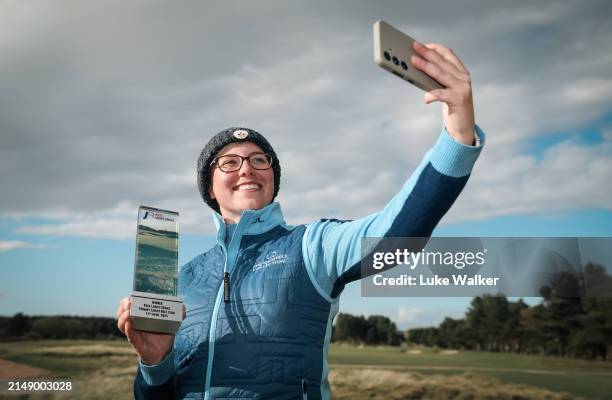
x=252 y=222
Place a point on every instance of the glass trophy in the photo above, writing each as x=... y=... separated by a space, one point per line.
x=155 y=305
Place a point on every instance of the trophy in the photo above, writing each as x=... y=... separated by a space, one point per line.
x=155 y=305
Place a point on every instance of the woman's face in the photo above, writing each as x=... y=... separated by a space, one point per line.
x=245 y=189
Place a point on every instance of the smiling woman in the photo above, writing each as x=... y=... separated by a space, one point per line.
x=238 y=185
x=260 y=304
x=230 y=185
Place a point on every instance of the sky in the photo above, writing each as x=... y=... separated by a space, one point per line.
x=105 y=106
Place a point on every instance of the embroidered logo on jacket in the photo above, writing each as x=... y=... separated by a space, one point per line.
x=270 y=260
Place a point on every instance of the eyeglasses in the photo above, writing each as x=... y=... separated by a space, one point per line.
x=233 y=162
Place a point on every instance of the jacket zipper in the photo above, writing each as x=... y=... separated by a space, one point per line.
x=226 y=287
x=304 y=389
x=212 y=334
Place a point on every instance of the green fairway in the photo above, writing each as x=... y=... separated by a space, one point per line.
x=591 y=379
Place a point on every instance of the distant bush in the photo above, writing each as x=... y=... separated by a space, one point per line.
x=374 y=330
x=567 y=323
x=32 y=336
x=24 y=327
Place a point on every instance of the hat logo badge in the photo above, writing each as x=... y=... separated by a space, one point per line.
x=240 y=134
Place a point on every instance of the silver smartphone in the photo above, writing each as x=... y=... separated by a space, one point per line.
x=392 y=51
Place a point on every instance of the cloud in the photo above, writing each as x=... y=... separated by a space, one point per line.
x=7 y=245
x=414 y=317
x=96 y=122
x=107 y=229
x=588 y=91
x=568 y=176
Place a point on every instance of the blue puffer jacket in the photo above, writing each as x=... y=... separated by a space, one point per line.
x=271 y=340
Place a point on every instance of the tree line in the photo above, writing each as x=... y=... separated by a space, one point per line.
x=24 y=327
x=374 y=330
x=573 y=320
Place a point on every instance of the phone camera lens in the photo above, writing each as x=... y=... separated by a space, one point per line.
x=395 y=60
x=404 y=66
x=387 y=56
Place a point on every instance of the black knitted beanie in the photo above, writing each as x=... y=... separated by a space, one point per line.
x=219 y=141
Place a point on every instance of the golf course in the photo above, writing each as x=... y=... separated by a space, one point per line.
x=104 y=369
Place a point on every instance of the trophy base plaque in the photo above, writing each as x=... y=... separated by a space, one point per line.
x=156 y=313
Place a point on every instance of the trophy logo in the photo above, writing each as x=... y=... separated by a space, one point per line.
x=155 y=304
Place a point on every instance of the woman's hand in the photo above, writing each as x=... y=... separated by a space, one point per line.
x=441 y=64
x=151 y=347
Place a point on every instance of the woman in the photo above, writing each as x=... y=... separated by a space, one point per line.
x=260 y=304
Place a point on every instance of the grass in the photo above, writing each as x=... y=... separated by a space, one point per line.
x=98 y=369
x=105 y=370
x=349 y=383
x=589 y=379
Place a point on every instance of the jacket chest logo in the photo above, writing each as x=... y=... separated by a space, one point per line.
x=271 y=259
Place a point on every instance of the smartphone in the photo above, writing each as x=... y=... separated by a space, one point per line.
x=392 y=51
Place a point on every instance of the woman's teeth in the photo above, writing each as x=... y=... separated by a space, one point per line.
x=248 y=186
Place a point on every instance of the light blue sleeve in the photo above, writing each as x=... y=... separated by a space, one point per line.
x=158 y=374
x=332 y=248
